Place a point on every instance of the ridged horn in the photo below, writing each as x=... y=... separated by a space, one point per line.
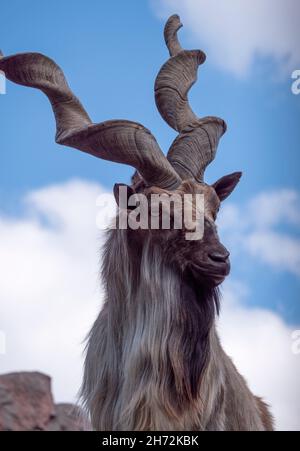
x=170 y=34
x=196 y=145
x=120 y=141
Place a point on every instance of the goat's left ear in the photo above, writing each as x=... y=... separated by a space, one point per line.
x=225 y=185
x=122 y=194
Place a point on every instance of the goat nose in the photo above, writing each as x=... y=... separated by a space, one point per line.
x=218 y=256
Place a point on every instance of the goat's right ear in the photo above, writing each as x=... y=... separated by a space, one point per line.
x=225 y=185
x=122 y=194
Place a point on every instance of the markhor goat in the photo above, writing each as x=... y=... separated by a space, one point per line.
x=154 y=360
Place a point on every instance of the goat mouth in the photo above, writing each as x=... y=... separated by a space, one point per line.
x=213 y=274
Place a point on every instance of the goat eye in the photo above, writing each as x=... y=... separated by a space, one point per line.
x=207 y=223
x=215 y=214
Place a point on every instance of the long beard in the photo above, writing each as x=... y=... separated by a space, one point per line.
x=165 y=345
x=155 y=344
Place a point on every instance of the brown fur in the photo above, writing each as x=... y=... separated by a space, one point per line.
x=154 y=360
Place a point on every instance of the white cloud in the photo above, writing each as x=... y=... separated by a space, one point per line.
x=49 y=291
x=49 y=297
x=234 y=32
x=260 y=344
x=278 y=250
x=275 y=207
x=257 y=228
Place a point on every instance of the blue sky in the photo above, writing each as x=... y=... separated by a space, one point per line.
x=110 y=53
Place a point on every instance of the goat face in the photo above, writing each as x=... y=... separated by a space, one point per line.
x=204 y=258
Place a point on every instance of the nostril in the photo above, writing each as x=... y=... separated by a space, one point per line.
x=219 y=256
x=226 y=254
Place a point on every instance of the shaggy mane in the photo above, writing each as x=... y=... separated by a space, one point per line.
x=153 y=341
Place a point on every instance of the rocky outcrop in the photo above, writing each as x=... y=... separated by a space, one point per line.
x=26 y=404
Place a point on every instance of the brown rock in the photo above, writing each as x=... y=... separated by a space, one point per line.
x=26 y=404
x=26 y=401
x=68 y=418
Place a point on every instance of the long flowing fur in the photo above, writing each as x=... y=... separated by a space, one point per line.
x=153 y=359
